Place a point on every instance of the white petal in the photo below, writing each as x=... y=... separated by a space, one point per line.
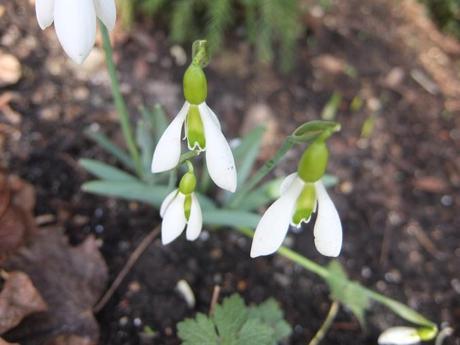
x=399 y=336
x=195 y=222
x=273 y=226
x=167 y=201
x=75 y=23
x=287 y=183
x=213 y=115
x=328 y=229
x=44 y=10
x=167 y=152
x=107 y=12
x=173 y=220
x=219 y=157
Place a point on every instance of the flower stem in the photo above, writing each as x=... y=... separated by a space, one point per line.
x=326 y=324
x=262 y=172
x=120 y=104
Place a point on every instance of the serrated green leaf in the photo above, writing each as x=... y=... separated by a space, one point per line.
x=255 y=332
x=271 y=314
x=105 y=171
x=347 y=292
x=229 y=318
x=246 y=153
x=198 y=331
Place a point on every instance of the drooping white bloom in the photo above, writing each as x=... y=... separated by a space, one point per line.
x=75 y=22
x=175 y=219
x=274 y=224
x=219 y=156
x=399 y=336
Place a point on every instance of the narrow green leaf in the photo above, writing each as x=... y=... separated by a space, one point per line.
x=331 y=107
x=105 y=143
x=157 y=120
x=145 y=141
x=230 y=218
x=246 y=153
x=105 y=171
x=198 y=331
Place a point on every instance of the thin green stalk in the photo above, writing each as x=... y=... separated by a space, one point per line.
x=293 y=256
x=262 y=172
x=335 y=306
x=120 y=104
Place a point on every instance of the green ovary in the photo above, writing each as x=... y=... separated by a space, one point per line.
x=195 y=129
x=305 y=204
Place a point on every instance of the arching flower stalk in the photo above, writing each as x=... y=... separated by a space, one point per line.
x=202 y=132
x=302 y=193
x=75 y=22
x=181 y=209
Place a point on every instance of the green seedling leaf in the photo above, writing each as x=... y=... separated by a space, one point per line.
x=198 y=331
x=233 y=323
x=356 y=104
x=229 y=318
x=368 y=127
x=105 y=171
x=311 y=130
x=271 y=314
x=105 y=143
x=347 y=292
x=331 y=107
x=246 y=153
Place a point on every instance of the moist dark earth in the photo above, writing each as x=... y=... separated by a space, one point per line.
x=398 y=194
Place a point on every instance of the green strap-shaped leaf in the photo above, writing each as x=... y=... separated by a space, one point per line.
x=105 y=171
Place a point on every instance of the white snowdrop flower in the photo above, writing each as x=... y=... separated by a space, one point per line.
x=181 y=209
x=302 y=193
x=202 y=132
x=399 y=336
x=75 y=22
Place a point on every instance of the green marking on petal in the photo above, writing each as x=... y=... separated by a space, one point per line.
x=195 y=129
x=305 y=204
x=188 y=206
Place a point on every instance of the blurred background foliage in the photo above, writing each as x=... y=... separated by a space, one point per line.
x=446 y=13
x=268 y=25
x=272 y=27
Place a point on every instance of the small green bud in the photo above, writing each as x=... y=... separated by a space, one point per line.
x=195 y=85
x=188 y=206
x=187 y=183
x=313 y=163
x=305 y=204
x=195 y=129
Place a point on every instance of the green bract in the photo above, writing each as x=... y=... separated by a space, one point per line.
x=313 y=163
x=195 y=129
x=195 y=85
x=187 y=183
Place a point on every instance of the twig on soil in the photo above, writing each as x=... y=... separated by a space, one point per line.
x=326 y=324
x=128 y=266
x=214 y=299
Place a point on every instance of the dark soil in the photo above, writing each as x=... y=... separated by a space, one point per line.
x=398 y=195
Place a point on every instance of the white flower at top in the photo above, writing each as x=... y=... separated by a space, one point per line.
x=181 y=209
x=75 y=22
x=202 y=131
x=399 y=336
x=302 y=193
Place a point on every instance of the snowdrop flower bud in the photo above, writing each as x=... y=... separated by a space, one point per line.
x=302 y=193
x=181 y=209
x=202 y=131
x=75 y=22
x=399 y=336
